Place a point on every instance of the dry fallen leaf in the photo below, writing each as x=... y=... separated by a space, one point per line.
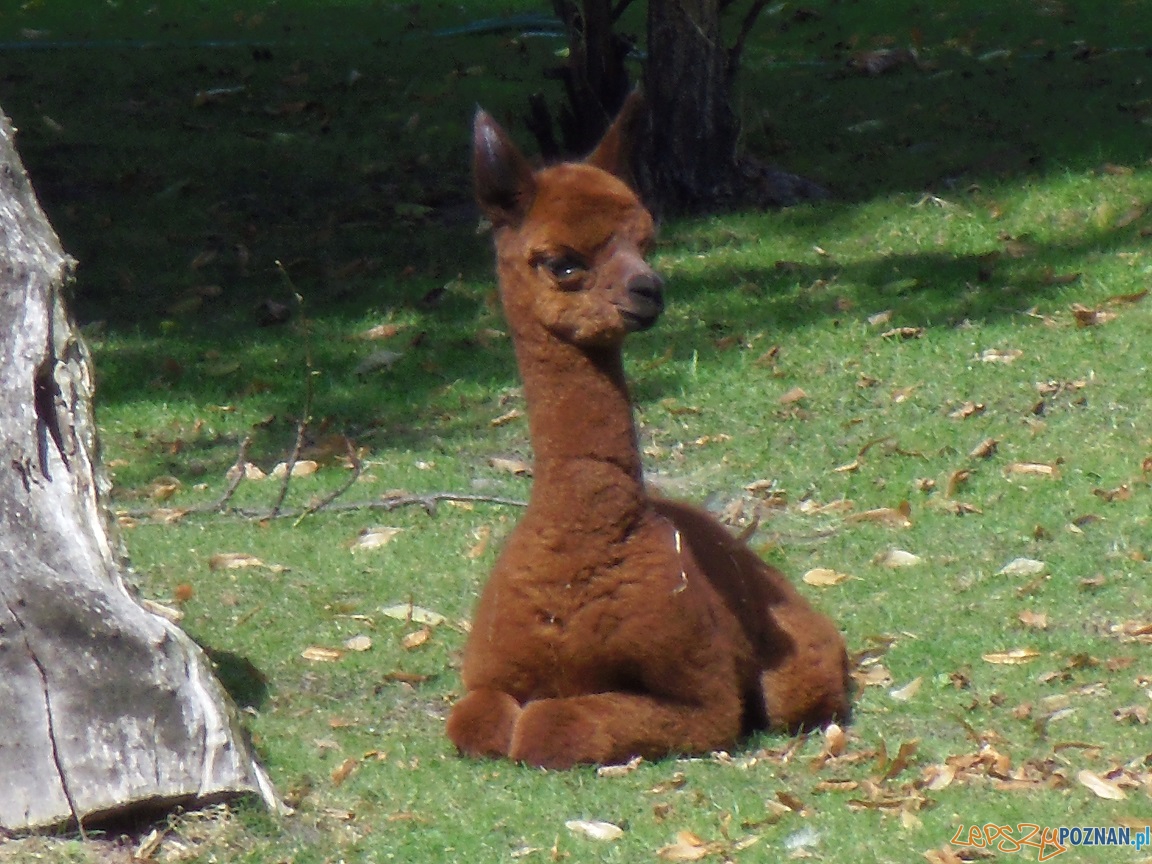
x=415 y=614
x=594 y=830
x=985 y=449
x=897 y=558
x=301 y=468
x=343 y=771
x=416 y=638
x=374 y=538
x=511 y=466
x=822 y=577
x=1086 y=317
x=1100 y=787
x=688 y=847
x=1037 y=469
x=359 y=643
x=233 y=561
x=1013 y=657
x=620 y=770
x=908 y=691
x=1001 y=355
x=320 y=654
x=1022 y=567
x=482 y=534
x=1034 y=620
x=796 y=394
x=893 y=517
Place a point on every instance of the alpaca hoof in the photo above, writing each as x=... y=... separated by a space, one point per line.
x=552 y=734
x=481 y=724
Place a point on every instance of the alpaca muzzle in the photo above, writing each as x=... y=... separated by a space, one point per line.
x=644 y=301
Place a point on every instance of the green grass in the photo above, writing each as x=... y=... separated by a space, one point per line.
x=978 y=198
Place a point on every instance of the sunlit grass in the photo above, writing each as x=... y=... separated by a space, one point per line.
x=928 y=309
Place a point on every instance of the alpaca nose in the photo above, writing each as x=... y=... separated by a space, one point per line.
x=646 y=300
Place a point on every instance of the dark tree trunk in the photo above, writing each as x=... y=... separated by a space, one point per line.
x=687 y=160
x=595 y=79
x=106 y=709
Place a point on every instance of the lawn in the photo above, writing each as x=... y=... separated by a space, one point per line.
x=930 y=394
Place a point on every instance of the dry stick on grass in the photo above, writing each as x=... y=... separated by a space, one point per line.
x=357 y=470
x=235 y=475
x=306 y=417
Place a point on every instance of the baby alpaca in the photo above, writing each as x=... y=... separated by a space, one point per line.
x=614 y=624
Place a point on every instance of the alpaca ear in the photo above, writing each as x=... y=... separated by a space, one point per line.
x=614 y=152
x=503 y=178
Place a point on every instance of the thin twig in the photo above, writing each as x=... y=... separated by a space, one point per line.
x=618 y=10
x=746 y=26
x=237 y=472
x=306 y=417
x=428 y=501
x=386 y=505
x=357 y=470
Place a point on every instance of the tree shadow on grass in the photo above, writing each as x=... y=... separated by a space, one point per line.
x=189 y=180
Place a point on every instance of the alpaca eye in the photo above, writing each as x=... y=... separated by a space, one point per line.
x=565 y=268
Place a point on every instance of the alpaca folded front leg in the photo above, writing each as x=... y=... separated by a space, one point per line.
x=610 y=728
x=481 y=724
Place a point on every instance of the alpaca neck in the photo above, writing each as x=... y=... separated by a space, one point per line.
x=587 y=464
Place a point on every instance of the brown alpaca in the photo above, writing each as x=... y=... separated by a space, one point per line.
x=614 y=624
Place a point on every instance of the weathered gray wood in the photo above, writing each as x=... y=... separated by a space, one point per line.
x=105 y=708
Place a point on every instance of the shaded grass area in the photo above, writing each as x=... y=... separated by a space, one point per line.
x=982 y=193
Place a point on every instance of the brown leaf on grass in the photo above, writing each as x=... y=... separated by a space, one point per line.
x=1012 y=657
x=1033 y=469
x=374 y=538
x=321 y=654
x=893 y=517
x=506 y=418
x=872 y=675
x=1087 y=317
x=301 y=468
x=908 y=692
x=903 y=333
x=1136 y=715
x=233 y=561
x=343 y=771
x=943 y=855
x=620 y=770
x=822 y=577
x=1033 y=620
x=955 y=480
x=511 y=466
x=896 y=558
x=796 y=394
x=358 y=643
x=416 y=638
x=413 y=613
x=1126 y=299
x=1022 y=567
x=1051 y=277
x=1100 y=787
x=595 y=830
x=1121 y=493
x=482 y=534
x=689 y=847
x=986 y=449
x=968 y=409
x=1001 y=355
x=1133 y=631
x=880 y=318
x=380 y=331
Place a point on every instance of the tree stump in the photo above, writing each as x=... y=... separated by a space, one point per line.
x=106 y=709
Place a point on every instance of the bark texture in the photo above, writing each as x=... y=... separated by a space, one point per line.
x=106 y=709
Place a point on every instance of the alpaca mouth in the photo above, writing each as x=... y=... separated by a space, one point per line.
x=637 y=320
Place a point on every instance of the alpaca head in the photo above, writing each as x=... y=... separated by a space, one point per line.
x=570 y=239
